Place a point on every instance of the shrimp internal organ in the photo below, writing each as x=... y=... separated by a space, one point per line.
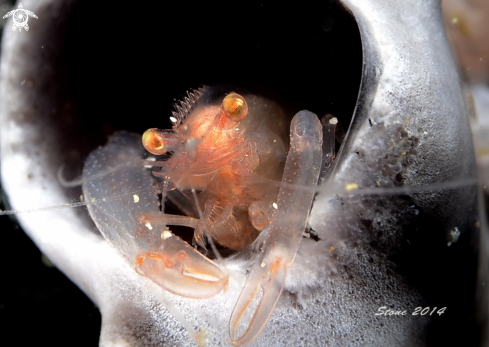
x=226 y=162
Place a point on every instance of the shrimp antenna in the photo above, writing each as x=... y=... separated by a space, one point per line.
x=184 y=106
x=82 y=180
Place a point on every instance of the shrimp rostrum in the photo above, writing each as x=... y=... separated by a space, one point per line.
x=226 y=166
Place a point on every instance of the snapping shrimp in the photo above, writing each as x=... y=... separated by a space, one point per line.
x=221 y=165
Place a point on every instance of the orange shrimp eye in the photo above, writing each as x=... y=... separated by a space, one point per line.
x=235 y=107
x=154 y=142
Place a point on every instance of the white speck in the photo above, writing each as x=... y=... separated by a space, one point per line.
x=274 y=140
x=425 y=133
x=333 y=120
x=82 y=198
x=148 y=225
x=149 y=159
x=275 y=206
x=166 y=234
x=22 y=83
x=136 y=198
x=263 y=264
x=237 y=129
x=173 y=119
x=453 y=236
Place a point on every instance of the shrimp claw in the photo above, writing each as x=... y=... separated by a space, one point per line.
x=282 y=237
x=182 y=270
x=125 y=207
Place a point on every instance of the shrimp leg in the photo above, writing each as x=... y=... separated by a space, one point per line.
x=282 y=237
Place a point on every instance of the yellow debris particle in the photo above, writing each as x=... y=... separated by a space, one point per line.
x=351 y=186
x=148 y=225
x=166 y=234
x=45 y=260
x=332 y=248
x=403 y=153
x=136 y=198
x=263 y=264
x=454 y=20
x=425 y=133
x=202 y=339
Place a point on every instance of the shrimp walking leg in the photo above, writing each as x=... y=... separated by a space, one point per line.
x=282 y=237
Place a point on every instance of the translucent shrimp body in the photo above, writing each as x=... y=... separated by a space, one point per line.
x=219 y=158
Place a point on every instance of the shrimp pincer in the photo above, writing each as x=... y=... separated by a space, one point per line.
x=221 y=165
x=282 y=237
x=119 y=201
